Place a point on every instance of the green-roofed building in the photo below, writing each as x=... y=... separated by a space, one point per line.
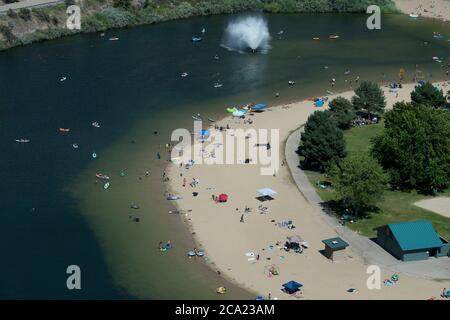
x=335 y=249
x=413 y=240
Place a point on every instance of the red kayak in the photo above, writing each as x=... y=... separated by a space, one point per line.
x=65 y=130
x=102 y=176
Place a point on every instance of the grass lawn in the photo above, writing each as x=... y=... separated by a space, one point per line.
x=396 y=206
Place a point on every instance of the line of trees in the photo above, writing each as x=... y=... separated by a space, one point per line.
x=412 y=152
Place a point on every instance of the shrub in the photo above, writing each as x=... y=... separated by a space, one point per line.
x=25 y=14
x=42 y=15
x=118 y=18
x=6 y=31
x=11 y=13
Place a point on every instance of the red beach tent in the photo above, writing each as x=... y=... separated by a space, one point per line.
x=223 y=197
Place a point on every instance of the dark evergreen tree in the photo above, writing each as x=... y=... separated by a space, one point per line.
x=322 y=141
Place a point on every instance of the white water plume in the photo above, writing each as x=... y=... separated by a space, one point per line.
x=249 y=33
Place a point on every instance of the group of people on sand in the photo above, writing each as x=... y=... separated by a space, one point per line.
x=194 y=183
x=221 y=128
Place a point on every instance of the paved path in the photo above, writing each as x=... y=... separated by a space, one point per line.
x=362 y=246
x=28 y=4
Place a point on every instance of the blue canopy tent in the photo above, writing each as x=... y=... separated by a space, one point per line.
x=266 y=194
x=292 y=286
x=259 y=107
x=319 y=103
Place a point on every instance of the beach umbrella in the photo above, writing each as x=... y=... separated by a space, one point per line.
x=204 y=132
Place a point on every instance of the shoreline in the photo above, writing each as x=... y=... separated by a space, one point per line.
x=435 y=9
x=199 y=223
x=101 y=16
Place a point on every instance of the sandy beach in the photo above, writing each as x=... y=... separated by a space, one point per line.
x=218 y=229
x=439 y=9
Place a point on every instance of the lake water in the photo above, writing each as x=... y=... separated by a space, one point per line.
x=133 y=88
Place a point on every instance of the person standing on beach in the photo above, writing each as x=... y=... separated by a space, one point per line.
x=242 y=218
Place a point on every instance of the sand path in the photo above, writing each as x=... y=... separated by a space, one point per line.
x=439 y=205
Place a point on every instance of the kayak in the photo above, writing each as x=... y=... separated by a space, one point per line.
x=196 y=39
x=316 y=38
x=102 y=176
x=191 y=253
x=134 y=206
x=333 y=37
x=64 y=130
x=201 y=253
x=22 y=140
x=174 y=198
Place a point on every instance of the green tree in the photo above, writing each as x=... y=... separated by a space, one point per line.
x=342 y=111
x=359 y=181
x=415 y=147
x=369 y=98
x=322 y=141
x=429 y=95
